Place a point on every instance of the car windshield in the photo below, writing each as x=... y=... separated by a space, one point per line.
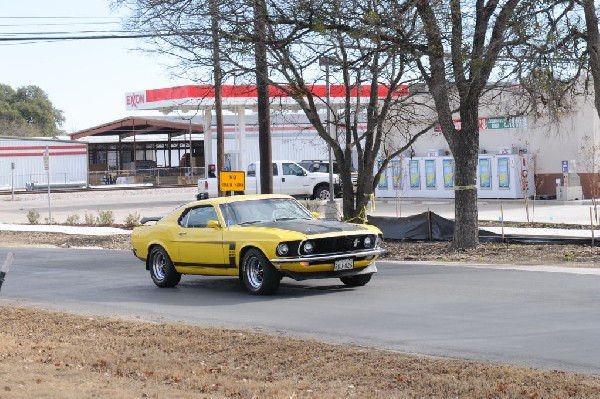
x=263 y=210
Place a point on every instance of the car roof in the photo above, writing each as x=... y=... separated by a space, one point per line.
x=236 y=198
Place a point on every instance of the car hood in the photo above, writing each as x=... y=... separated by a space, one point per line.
x=310 y=227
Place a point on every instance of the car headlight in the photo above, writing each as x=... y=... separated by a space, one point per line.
x=378 y=241
x=368 y=242
x=308 y=247
x=283 y=249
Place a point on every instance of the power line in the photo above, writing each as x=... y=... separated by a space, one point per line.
x=69 y=17
x=33 y=39
x=93 y=37
x=57 y=24
x=81 y=32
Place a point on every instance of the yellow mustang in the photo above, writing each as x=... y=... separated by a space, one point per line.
x=260 y=239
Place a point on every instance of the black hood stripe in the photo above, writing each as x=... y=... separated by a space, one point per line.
x=310 y=227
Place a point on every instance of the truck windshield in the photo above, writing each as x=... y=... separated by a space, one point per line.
x=263 y=210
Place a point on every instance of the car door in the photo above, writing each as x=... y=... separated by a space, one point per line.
x=199 y=246
x=294 y=180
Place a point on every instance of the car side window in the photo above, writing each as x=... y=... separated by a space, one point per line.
x=198 y=217
x=275 y=169
x=229 y=214
x=286 y=169
x=291 y=169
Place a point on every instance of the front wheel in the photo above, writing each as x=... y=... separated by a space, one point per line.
x=356 y=281
x=258 y=274
x=162 y=271
x=322 y=193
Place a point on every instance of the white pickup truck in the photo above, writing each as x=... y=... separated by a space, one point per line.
x=288 y=178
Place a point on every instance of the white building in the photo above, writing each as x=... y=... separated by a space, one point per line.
x=35 y=163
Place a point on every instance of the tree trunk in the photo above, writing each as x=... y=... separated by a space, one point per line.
x=465 y=151
x=214 y=14
x=593 y=45
x=262 y=88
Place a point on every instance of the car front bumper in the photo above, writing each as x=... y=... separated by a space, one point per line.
x=299 y=276
x=322 y=266
x=330 y=257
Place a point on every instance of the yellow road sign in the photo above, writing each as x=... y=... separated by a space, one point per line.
x=234 y=180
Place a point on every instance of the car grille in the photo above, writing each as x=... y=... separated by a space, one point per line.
x=341 y=244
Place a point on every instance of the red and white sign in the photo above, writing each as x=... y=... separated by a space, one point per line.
x=204 y=96
x=134 y=100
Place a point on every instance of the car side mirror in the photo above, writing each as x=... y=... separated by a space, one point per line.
x=213 y=224
x=301 y=173
x=316 y=214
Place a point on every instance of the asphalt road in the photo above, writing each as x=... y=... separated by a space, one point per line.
x=540 y=319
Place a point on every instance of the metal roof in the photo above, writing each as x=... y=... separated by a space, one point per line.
x=130 y=126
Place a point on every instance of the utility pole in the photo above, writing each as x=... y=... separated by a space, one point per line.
x=214 y=14
x=328 y=61
x=264 y=119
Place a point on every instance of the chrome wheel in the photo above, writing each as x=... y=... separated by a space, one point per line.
x=254 y=272
x=258 y=275
x=158 y=266
x=161 y=269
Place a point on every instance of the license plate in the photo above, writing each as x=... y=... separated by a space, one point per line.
x=343 y=264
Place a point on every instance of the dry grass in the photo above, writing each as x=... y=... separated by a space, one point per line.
x=48 y=355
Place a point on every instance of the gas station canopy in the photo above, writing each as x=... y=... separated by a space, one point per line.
x=234 y=96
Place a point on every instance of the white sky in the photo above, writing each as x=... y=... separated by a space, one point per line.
x=86 y=79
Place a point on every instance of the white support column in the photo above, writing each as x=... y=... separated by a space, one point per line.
x=208 y=140
x=242 y=161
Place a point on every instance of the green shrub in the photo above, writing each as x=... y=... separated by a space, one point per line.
x=90 y=220
x=106 y=218
x=33 y=216
x=132 y=220
x=72 y=220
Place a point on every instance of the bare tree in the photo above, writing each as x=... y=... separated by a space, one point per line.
x=465 y=50
x=364 y=68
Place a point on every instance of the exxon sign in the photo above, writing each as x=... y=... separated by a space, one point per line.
x=134 y=100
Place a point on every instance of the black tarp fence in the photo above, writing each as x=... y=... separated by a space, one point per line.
x=429 y=226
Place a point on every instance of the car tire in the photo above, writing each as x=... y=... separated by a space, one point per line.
x=322 y=193
x=258 y=274
x=161 y=267
x=356 y=281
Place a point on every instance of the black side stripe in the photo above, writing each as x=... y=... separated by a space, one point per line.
x=216 y=266
x=232 y=255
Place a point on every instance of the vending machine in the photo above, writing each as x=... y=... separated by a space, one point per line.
x=498 y=176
